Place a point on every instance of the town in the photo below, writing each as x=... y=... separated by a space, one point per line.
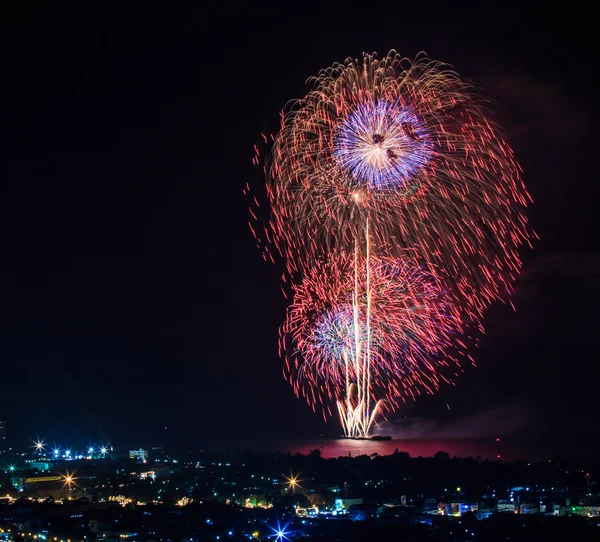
x=98 y=493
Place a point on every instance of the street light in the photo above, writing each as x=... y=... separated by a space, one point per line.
x=292 y=482
x=68 y=481
x=280 y=533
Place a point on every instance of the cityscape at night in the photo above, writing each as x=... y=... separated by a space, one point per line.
x=281 y=273
x=99 y=492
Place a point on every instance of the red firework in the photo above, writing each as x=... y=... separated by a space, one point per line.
x=399 y=156
x=411 y=333
x=408 y=146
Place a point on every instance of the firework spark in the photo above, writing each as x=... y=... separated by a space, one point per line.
x=358 y=331
x=399 y=155
x=408 y=146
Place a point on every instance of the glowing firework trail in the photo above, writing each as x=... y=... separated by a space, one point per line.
x=357 y=419
x=361 y=330
x=406 y=145
x=397 y=156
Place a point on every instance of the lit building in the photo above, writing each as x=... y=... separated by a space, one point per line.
x=160 y=471
x=458 y=508
x=155 y=471
x=40 y=465
x=505 y=506
x=583 y=510
x=529 y=508
x=140 y=455
x=307 y=512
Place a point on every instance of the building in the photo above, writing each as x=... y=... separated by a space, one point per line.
x=140 y=455
x=41 y=465
x=458 y=508
x=529 y=508
x=155 y=471
x=361 y=512
x=347 y=503
x=160 y=470
x=307 y=512
x=505 y=506
x=583 y=510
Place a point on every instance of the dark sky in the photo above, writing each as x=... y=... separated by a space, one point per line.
x=132 y=296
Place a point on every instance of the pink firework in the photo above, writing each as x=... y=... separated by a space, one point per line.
x=408 y=146
x=399 y=210
x=399 y=330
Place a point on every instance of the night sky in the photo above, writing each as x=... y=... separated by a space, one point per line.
x=132 y=296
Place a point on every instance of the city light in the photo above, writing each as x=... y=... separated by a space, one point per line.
x=280 y=533
x=266 y=491
x=68 y=480
x=292 y=482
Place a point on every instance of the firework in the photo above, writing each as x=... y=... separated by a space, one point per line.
x=368 y=333
x=406 y=145
x=399 y=211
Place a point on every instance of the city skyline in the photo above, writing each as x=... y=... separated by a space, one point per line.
x=293 y=496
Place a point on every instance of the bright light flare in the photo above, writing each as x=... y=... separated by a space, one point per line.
x=69 y=480
x=292 y=481
x=280 y=532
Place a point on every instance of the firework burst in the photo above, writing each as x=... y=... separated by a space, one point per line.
x=408 y=146
x=399 y=155
x=393 y=337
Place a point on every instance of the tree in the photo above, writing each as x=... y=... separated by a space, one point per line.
x=441 y=456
